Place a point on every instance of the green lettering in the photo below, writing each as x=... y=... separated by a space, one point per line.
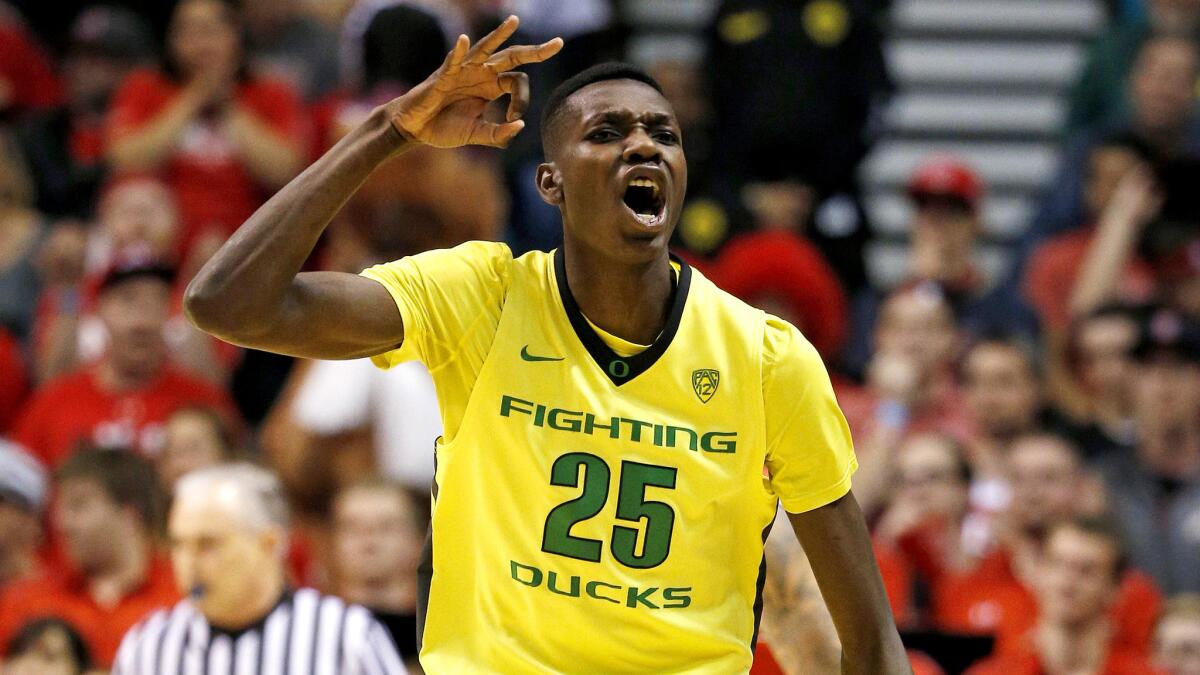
x=613 y=427
x=572 y=417
x=658 y=435
x=593 y=585
x=508 y=404
x=679 y=596
x=692 y=438
x=719 y=441
x=635 y=428
x=574 y=592
x=535 y=575
x=539 y=416
x=636 y=598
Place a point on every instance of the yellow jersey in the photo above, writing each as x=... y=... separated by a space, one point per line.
x=598 y=510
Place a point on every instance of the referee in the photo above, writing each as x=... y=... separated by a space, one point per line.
x=228 y=541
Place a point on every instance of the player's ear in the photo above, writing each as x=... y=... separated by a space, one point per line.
x=549 y=184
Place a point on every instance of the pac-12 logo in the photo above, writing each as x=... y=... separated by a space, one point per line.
x=704 y=382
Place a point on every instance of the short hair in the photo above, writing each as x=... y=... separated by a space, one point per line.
x=216 y=421
x=601 y=72
x=1012 y=342
x=1103 y=527
x=1049 y=437
x=266 y=504
x=417 y=514
x=127 y=479
x=958 y=452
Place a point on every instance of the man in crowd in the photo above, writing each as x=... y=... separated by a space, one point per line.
x=124 y=398
x=106 y=515
x=1098 y=357
x=228 y=531
x=1076 y=587
x=22 y=498
x=1003 y=393
x=1155 y=489
x=377 y=533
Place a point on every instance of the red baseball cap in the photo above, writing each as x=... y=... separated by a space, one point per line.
x=945 y=176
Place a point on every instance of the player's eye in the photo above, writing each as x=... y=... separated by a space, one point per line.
x=603 y=134
x=666 y=136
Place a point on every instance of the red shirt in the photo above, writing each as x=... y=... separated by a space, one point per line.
x=27 y=79
x=1054 y=267
x=66 y=597
x=214 y=188
x=76 y=408
x=1027 y=662
x=990 y=599
x=14 y=384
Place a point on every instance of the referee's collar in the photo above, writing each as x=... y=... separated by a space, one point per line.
x=257 y=625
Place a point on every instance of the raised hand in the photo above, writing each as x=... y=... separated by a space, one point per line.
x=446 y=110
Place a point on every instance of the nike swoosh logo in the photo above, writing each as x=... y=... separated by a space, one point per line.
x=531 y=357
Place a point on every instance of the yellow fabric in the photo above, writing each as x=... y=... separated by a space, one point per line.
x=581 y=526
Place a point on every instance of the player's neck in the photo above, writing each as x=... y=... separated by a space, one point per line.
x=630 y=301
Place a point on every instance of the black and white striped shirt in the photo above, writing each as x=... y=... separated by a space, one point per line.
x=305 y=634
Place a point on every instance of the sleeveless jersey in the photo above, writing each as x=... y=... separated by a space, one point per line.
x=601 y=513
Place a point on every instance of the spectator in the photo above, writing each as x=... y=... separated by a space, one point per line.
x=946 y=197
x=47 y=647
x=1075 y=589
x=22 y=233
x=1115 y=196
x=833 y=48
x=65 y=146
x=1155 y=489
x=919 y=536
x=1162 y=115
x=1100 y=93
x=107 y=514
x=27 y=80
x=377 y=537
x=1004 y=395
x=1098 y=356
x=995 y=595
x=197 y=437
x=228 y=530
x=910 y=385
x=22 y=499
x=1177 y=637
x=124 y=398
x=290 y=45
x=138 y=219
x=219 y=136
x=779 y=272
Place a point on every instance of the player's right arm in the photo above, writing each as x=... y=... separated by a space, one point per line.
x=252 y=292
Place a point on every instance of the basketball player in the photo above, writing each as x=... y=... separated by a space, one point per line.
x=618 y=431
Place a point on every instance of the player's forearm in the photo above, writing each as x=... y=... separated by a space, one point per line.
x=242 y=290
x=838 y=546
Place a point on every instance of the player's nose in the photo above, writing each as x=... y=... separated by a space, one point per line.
x=640 y=147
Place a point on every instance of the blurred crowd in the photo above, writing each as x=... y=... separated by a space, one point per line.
x=1029 y=439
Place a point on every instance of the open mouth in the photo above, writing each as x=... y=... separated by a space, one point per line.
x=646 y=200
